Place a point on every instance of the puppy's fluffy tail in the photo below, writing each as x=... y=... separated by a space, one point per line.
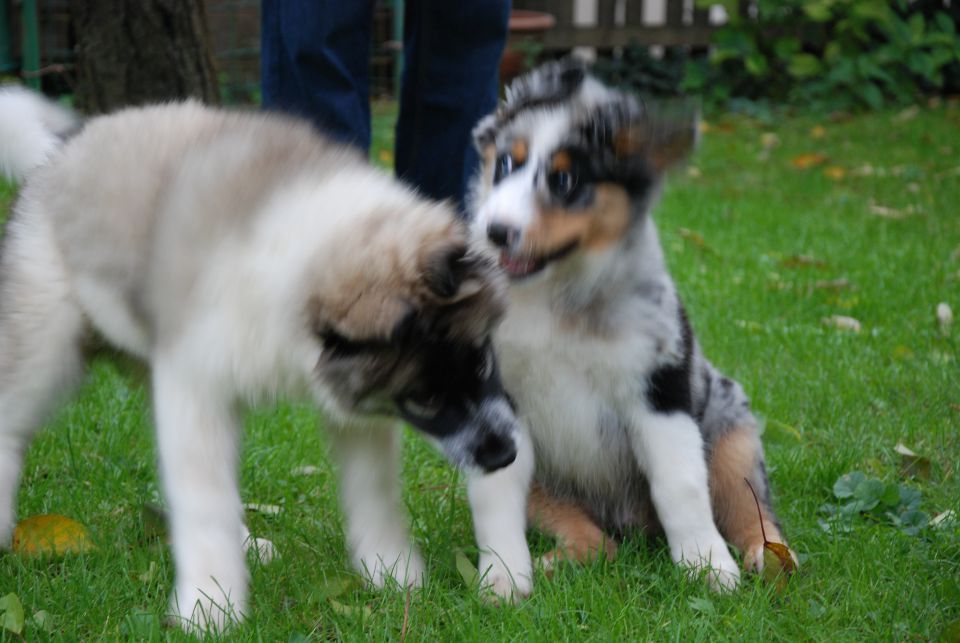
x=31 y=127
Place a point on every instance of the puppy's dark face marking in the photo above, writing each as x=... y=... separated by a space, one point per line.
x=436 y=369
x=592 y=159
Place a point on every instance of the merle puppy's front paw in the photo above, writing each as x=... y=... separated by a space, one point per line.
x=722 y=571
x=501 y=584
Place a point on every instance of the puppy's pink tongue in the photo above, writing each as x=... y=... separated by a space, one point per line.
x=516 y=266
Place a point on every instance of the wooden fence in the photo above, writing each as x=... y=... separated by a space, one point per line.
x=620 y=23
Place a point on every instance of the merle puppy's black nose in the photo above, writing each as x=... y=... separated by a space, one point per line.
x=502 y=236
x=494 y=452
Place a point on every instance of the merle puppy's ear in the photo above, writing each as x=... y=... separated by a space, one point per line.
x=672 y=132
x=485 y=133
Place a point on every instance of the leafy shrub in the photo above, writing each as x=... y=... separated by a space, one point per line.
x=893 y=504
x=831 y=53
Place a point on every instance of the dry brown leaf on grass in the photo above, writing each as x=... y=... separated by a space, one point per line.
x=912 y=464
x=806 y=161
x=835 y=172
x=695 y=238
x=832 y=284
x=51 y=534
x=778 y=562
x=802 y=261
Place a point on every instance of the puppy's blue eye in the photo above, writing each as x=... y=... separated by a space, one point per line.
x=503 y=167
x=562 y=184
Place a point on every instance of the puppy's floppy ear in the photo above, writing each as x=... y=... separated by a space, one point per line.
x=672 y=132
x=454 y=274
x=485 y=133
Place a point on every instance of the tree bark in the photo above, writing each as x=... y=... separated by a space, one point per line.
x=131 y=52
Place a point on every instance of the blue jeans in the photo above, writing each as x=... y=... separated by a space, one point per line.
x=315 y=62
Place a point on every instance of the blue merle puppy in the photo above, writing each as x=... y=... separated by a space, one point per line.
x=630 y=426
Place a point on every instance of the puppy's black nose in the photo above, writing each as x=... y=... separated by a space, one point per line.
x=502 y=236
x=494 y=452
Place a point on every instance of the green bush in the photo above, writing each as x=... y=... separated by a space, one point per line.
x=831 y=53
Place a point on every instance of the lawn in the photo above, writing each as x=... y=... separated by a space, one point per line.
x=766 y=240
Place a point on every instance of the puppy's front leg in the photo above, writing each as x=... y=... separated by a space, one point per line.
x=498 y=501
x=197 y=438
x=669 y=448
x=369 y=459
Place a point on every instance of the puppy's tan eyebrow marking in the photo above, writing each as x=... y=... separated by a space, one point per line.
x=561 y=162
x=518 y=151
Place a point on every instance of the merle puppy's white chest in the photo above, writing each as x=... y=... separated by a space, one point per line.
x=577 y=391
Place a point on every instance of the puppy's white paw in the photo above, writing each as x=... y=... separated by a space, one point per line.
x=722 y=571
x=208 y=609
x=502 y=584
x=403 y=567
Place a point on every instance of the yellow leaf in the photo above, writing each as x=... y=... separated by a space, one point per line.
x=834 y=172
x=51 y=534
x=805 y=161
x=778 y=564
x=769 y=140
x=817 y=131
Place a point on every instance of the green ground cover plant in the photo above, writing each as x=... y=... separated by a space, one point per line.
x=785 y=237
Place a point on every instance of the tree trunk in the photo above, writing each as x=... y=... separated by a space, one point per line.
x=131 y=52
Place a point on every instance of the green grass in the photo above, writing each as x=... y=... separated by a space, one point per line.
x=850 y=397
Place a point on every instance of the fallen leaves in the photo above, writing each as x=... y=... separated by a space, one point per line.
x=912 y=464
x=807 y=161
x=51 y=534
x=842 y=322
x=835 y=172
x=778 y=563
x=802 y=261
x=944 y=317
x=891 y=213
x=832 y=284
x=267 y=510
x=696 y=239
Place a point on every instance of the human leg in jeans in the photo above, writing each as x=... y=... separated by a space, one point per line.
x=451 y=60
x=315 y=62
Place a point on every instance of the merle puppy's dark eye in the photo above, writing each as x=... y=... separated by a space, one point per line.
x=503 y=167
x=562 y=183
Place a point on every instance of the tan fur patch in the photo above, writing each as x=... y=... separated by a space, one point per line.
x=595 y=228
x=519 y=151
x=561 y=162
x=579 y=539
x=629 y=141
x=736 y=456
